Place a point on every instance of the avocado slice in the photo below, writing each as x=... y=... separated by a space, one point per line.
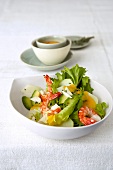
x=27 y=102
x=64 y=114
x=62 y=99
x=36 y=93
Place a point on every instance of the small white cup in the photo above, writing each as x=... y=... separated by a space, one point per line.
x=49 y=42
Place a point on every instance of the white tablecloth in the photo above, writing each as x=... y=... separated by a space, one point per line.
x=21 y=22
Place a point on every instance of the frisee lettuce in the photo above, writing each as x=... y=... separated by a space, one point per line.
x=101 y=109
x=85 y=84
x=76 y=74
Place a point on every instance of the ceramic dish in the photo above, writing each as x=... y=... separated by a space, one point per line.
x=73 y=46
x=29 y=58
x=52 y=131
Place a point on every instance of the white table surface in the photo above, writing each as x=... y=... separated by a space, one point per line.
x=21 y=21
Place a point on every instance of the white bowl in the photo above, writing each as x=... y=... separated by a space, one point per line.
x=52 y=131
x=51 y=42
x=51 y=56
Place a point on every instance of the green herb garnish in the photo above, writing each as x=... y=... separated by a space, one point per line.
x=82 y=40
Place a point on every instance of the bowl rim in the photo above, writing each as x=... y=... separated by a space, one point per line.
x=59 y=127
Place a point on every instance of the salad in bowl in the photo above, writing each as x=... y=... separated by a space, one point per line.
x=66 y=101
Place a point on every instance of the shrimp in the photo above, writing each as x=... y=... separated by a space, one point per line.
x=49 y=83
x=88 y=116
x=48 y=96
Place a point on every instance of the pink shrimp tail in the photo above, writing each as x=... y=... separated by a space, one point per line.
x=85 y=115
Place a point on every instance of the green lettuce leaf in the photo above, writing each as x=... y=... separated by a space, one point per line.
x=74 y=115
x=75 y=73
x=75 y=118
x=55 y=85
x=101 y=109
x=56 y=81
x=60 y=76
x=85 y=84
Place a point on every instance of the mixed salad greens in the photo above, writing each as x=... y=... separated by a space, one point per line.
x=66 y=101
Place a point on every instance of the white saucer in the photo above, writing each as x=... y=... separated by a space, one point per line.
x=74 y=46
x=28 y=57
